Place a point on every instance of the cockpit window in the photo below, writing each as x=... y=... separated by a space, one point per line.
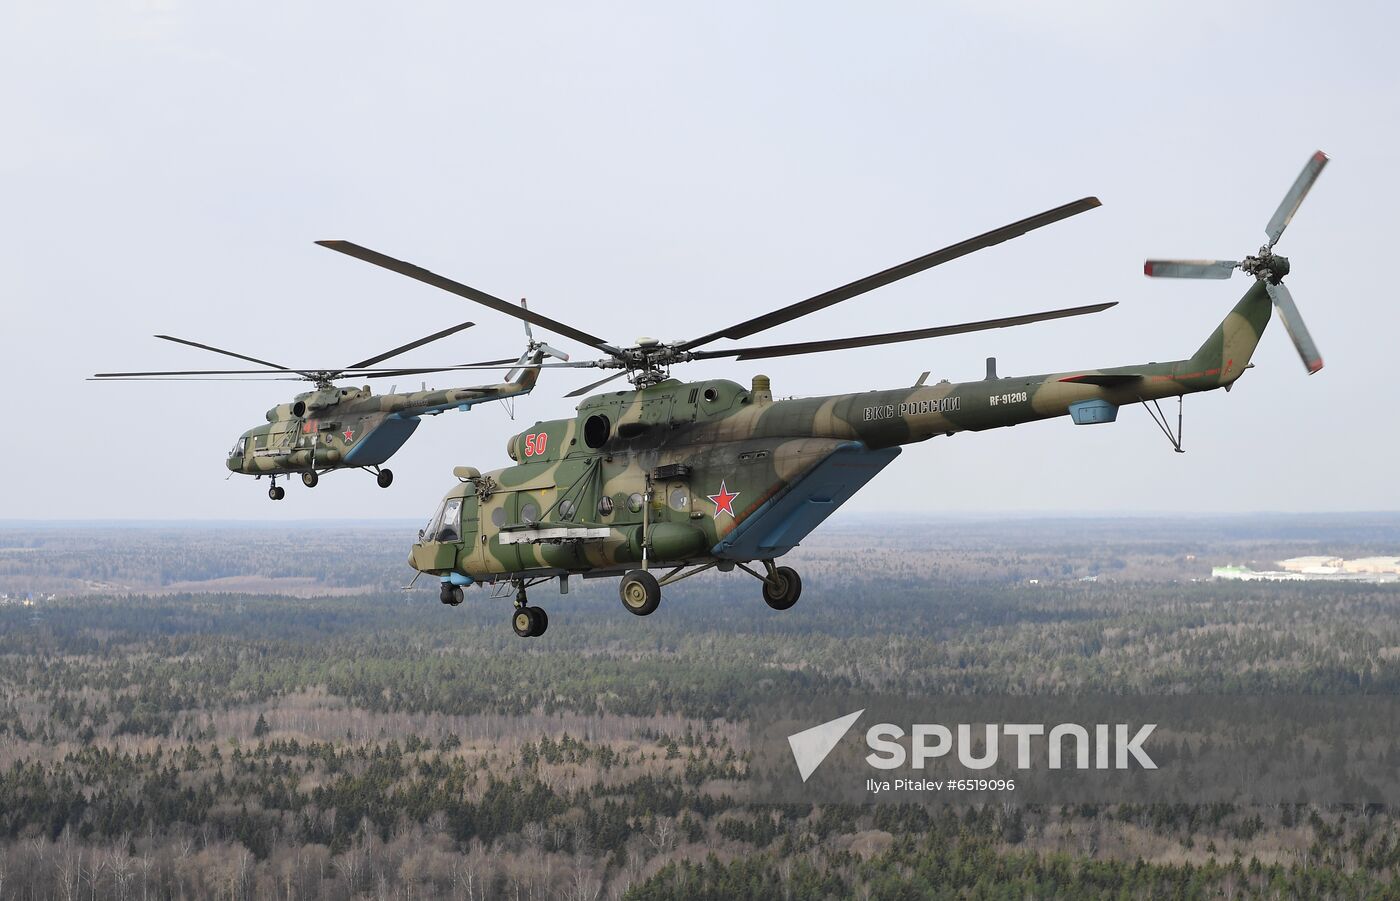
x=239 y=447
x=447 y=524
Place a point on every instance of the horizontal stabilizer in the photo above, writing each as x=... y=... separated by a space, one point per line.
x=1104 y=380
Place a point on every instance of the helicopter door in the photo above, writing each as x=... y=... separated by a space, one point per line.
x=505 y=511
x=502 y=509
x=471 y=511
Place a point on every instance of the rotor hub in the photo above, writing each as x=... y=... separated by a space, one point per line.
x=1267 y=265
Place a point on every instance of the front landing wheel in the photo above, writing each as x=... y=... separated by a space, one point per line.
x=782 y=589
x=640 y=592
x=276 y=492
x=385 y=478
x=529 y=622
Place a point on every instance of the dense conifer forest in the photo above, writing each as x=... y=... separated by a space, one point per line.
x=261 y=712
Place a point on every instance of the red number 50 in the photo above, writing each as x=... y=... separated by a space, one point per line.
x=534 y=444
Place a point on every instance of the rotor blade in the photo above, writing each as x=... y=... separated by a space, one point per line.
x=409 y=346
x=1189 y=268
x=181 y=378
x=174 y=372
x=461 y=290
x=1294 y=198
x=811 y=347
x=894 y=274
x=464 y=367
x=589 y=387
x=1293 y=322
x=219 y=350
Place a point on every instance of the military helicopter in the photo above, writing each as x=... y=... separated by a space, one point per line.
x=331 y=427
x=690 y=476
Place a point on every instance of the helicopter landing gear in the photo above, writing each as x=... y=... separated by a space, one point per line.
x=783 y=586
x=640 y=592
x=276 y=493
x=310 y=479
x=451 y=595
x=385 y=478
x=527 y=621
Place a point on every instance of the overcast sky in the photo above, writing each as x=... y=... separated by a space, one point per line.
x=664 y=169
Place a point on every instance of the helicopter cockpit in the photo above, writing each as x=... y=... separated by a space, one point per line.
x=446 y=524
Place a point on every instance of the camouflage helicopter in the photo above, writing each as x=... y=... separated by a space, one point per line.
x=689 y=476
x=331 y=427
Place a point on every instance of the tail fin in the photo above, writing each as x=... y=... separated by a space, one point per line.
x=1226 y=353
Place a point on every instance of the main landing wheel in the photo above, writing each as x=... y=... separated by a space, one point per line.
x=451 y=595
x=529 y=622
x=385 y=478
x=310 y=479
x=782 y=588
x=276 y=492
x=640 y=592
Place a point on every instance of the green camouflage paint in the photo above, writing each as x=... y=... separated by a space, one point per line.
x=575 y=500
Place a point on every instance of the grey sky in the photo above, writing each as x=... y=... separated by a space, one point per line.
x=662 y=169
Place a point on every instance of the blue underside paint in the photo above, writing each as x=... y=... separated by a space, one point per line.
x=784 y=520
x=1092 y=412
x=382 y=443
x=457 y=579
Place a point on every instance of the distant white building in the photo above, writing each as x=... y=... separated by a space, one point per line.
x=1318 y=566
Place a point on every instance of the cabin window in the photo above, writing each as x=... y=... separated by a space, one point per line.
x=605 y=506
x=530 y=513
x=446 y=525
x=498 y=517
x=634 y=502
x=567 y=508
x=450 y=528
x=680 y=499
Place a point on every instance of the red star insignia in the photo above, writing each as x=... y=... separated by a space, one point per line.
x=349 y=434
x=724 y=501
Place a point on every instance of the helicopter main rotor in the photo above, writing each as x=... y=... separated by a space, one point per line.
x=648 y=360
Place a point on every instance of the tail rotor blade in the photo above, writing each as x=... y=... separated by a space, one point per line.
x=554 y=352
x=1189 y=268
x=1294 y=198
x=1293 y=322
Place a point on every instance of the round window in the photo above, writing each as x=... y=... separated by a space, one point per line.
x=567 y=508
x=605 y=506
x=596 y=430
x=634 y=502
x=680 y=499
x=498 y=517
x=530 y=513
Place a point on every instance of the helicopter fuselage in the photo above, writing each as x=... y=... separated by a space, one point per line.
x=336 y=428
x=689 y=473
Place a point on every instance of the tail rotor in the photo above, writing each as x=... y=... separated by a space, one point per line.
x=532 y=347
x=1267 y=266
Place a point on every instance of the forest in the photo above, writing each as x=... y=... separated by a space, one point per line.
x=260 y=711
